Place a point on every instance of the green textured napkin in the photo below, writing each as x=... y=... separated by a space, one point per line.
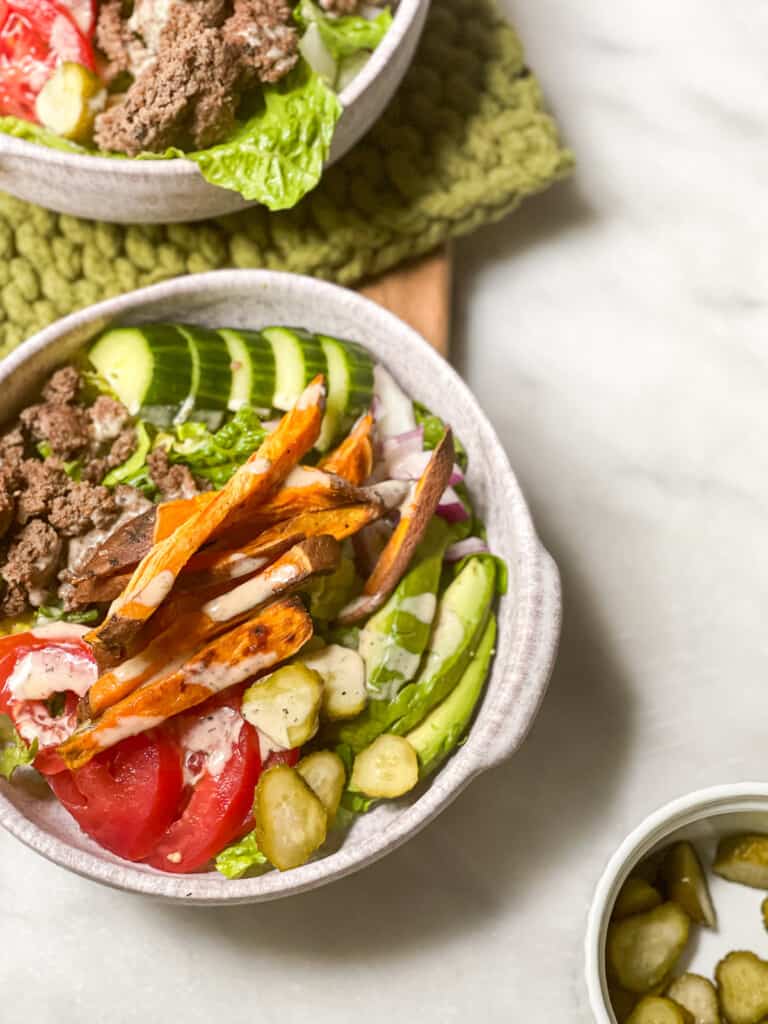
x=465 y=139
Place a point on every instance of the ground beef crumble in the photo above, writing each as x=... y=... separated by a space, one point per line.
x=46 y=516
x=172 y=481
x=209 y=53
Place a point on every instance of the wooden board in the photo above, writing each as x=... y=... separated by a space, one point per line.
x=420 y=294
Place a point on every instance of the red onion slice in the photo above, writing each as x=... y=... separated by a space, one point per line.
x=463 y=548
x=451 y=507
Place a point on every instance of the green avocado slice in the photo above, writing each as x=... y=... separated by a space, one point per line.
x=443 y=728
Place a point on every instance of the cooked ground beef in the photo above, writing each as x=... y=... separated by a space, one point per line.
x=63 y=427
x=208 y=53
x=82 y=508
x=113 y=38
x=33 y=559
x=64 y=386
x=172 y=481
x=45 y=516
x=40 y=483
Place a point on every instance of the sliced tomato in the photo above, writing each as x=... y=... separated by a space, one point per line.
x=127 y=797
x=35 y=36
x=289 y=757
x=218 y=804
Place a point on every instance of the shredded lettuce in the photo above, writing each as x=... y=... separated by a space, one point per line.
x=216 y=456
x=275 y=156
x=131 y=469
x=327 y=595
x=344 y=36
x=240 y=858
x=56 y=613
x=434 y=432
x=14 y=752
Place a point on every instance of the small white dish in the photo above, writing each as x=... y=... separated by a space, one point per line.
x=703 y=817
x=528 y=615
x=166 y=191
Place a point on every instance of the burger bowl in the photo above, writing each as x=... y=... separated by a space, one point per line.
x=165 y=191
x=528 y=614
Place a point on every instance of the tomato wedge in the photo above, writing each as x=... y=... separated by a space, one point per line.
x=127 y=797
x=82 y=12
x=218 y=804
x=35 y=36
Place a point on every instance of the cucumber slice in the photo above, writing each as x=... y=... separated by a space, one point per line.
x=350 y=387
x=149 y=368
x=252 y=362
x=299 y=357
x=211 y=372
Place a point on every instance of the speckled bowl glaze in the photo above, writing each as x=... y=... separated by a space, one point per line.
x=529 y=614
x=164 y=191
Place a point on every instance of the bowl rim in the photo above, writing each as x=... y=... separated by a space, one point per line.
x=530 y=662
x=683 y=810
x=402 y=22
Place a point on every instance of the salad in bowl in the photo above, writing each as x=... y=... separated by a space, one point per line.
x=245 y=594
x=248 y=90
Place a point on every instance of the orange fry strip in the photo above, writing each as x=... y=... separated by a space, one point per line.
x=171 y=514
x=217 y=565
x=252 y=482
x=255 y=647
x=353 y=459
x=195 y=626
x=414 y=517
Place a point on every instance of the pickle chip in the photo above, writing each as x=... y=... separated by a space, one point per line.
x=285 y=705
x=742 y=985
x=291 y=822
x=387 y=768
x=698 y=996
x=635 y=897
x=743 y=859
x=644 y=948
x=70 y=100
x=686 y=883
x=324 y=773
x=764 y=912
x=658 y=1010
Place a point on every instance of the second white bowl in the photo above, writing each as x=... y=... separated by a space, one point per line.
x=164 y=191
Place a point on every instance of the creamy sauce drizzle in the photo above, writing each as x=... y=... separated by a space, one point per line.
x=249 y=595
x=421 y=607
x=258 y=466
x=209 y=742
x=133 y=725
x=34 y=722
x=303 y=477
x=40 y=674
x=310 y=396
x=156 y=591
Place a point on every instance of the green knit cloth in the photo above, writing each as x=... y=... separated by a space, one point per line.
x=465 y=139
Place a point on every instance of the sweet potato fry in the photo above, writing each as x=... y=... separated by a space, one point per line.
x=124 y=549
x=353 y=459
x=98 y=590
x=248 y=650
x=171 y=514
x=218 y=564
x=414 y=517
x=193 y=624
x=252 y=482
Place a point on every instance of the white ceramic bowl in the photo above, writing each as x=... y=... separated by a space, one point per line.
x=703 y=818
x=163 y=191
x=529 y=614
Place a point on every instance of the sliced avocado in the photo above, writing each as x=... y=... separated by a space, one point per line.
x=394 y=639
x=443 y=728
x=462 y=614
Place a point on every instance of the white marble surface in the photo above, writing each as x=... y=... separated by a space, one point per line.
x=615 y=331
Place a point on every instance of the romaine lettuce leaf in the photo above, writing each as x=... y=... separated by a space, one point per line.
x=346 y=35
x=277 y=155
x=216 y=456
x=274 y=157
x=240 y=858
x=14 y=752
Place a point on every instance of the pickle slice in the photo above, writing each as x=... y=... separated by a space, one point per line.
x=635 y=897
x=686 y=883
x=387 y=768
x=324 y=773
x=644 y=948
x=291 y=822
x=343 y=673
x=286 y=705
x=743 y=859
x=697 y=995
x=658 y=1010
x=742 y=984
x=764 y=912
x=70 y=100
